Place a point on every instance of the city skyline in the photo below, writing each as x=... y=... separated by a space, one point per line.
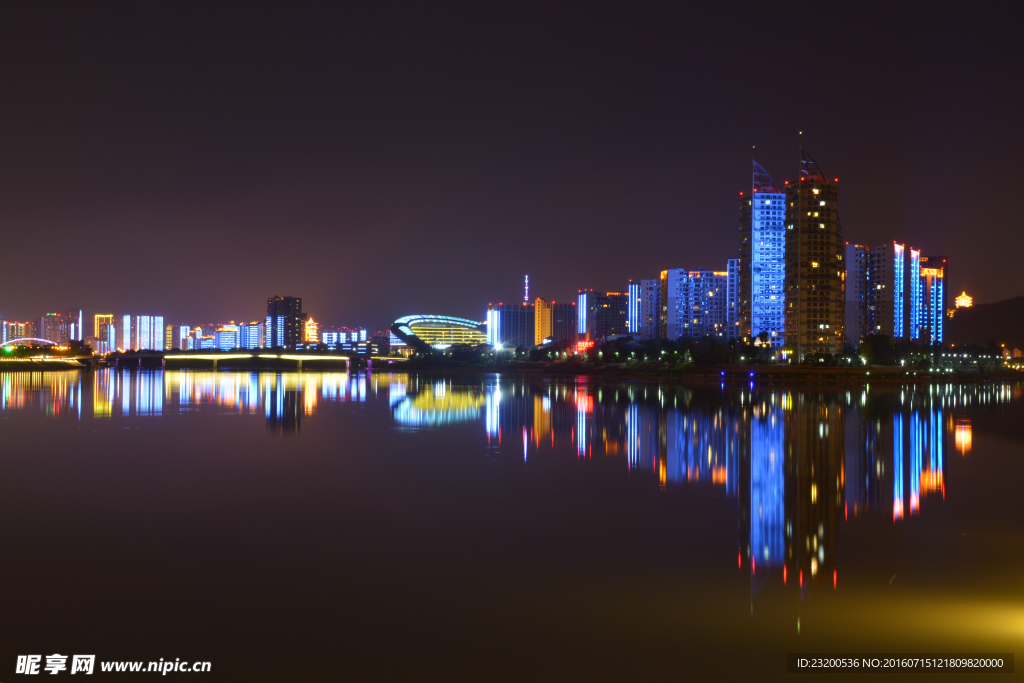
x=157 y=157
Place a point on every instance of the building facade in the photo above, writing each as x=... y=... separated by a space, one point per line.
x=933 y=299
x=815 y=271
x=510 y=325
x=612 y=314
x=633 y=318
x=139 y=332
x=650 y=309
x=762 y=260
x=732 y=299
x=285 y=323
x=694 y=304
x=563 y=322
x=541 y=321
x=857 y=259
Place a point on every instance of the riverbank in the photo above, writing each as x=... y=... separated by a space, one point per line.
x=733 y=374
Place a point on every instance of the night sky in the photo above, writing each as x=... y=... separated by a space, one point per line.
x=381 y=159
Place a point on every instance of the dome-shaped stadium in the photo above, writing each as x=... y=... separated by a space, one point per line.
x=425 y=331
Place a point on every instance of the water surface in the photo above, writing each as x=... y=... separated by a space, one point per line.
x=327 y=526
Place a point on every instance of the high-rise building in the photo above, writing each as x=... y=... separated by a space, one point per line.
x=106 y=339
x=694 y=303
x=704 y=305
x=49 y=327
x=11 y=330
x=563 y=322
x=650 y=309
x=285 y=322
x=250 y=335
x=892 y=290
x=732 y=299
x=673 y=294
x=149 y=333
x=762 y=260
x=933 y=299
x=226 y=337
x=541 y=321
x=815 y=272
x=98 y=321
x=600 y=315
x=586 y=314
x=176 y=337
x=885 y=302
x=633 y=319
x=612 y=314
x=510 y=325
x=139 y=333
x=857 y=259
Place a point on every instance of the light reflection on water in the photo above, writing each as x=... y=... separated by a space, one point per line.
x=787 y=481
x=796 y=462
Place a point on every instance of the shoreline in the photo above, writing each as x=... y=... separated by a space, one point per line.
x=731 y=374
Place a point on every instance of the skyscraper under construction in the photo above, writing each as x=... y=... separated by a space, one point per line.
x=815 y=270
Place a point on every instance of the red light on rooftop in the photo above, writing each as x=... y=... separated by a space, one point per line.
x=837 y=180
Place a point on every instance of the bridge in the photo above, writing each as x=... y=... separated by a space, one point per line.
x=8 y=346
x=298 y=358
x=23 y=342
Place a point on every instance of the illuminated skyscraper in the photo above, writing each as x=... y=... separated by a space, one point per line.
x=510 y=325
x=49 y=327
x=586 y=314
x=12 y=330
x=673 y=292
x=762 y=260
x=250 y=335
x=857 y=258
x=704 y=305
x=541 y=321
x=226 y=337
x=98 y=321
x=650 y=309
x=933 y=299
x=633 y=324
x=612 y=314
x=732 y=299
x=693 y=303
x=139 y=333
x=815 y=272
x=285 y=322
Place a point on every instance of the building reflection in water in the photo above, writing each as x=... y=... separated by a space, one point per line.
x=798 y=464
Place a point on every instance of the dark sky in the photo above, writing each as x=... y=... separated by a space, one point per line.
x=380 y=159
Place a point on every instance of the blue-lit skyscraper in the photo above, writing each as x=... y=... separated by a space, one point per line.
x=586 y=314
x=762 y=260
x=933 y=298
x=250 y=335
x=732 y=299
x=633 y=310
x=509 y=325
x=914 y=293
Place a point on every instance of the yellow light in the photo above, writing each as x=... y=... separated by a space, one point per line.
x=964 y=301
x=209 y=356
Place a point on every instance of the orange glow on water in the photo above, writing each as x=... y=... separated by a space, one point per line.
x=962 y=436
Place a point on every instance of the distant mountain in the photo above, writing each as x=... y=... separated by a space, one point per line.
x=1002 y=321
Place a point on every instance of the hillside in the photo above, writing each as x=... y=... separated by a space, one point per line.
x=1002 y=321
